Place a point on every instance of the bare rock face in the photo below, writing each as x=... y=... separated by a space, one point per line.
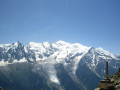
x=116 y=79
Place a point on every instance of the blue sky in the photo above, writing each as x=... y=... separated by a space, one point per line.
x=89 y=22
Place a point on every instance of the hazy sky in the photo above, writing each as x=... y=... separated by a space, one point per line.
x=89 y=22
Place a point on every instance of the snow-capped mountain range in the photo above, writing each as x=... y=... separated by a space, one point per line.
x=45 y=56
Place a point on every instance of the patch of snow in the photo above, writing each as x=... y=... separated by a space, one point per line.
x=93 y=60
x=6 y=47
x=76 y=62
x=2 y=63
x=53 y=76
x=25 y=49
x=21 y=60
x=16 y=44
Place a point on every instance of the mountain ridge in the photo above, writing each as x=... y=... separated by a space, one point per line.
x=46 y=58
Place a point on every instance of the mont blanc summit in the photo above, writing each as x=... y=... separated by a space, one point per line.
x=59 y=66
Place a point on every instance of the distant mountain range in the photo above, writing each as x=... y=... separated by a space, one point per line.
x=53 y=66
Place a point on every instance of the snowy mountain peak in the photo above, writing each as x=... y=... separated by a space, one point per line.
x=17 y=44
x=81 y=47
x=104 y=52
x=34 y=46
x=32 y=43
x=62 y=43
x=46 y=44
